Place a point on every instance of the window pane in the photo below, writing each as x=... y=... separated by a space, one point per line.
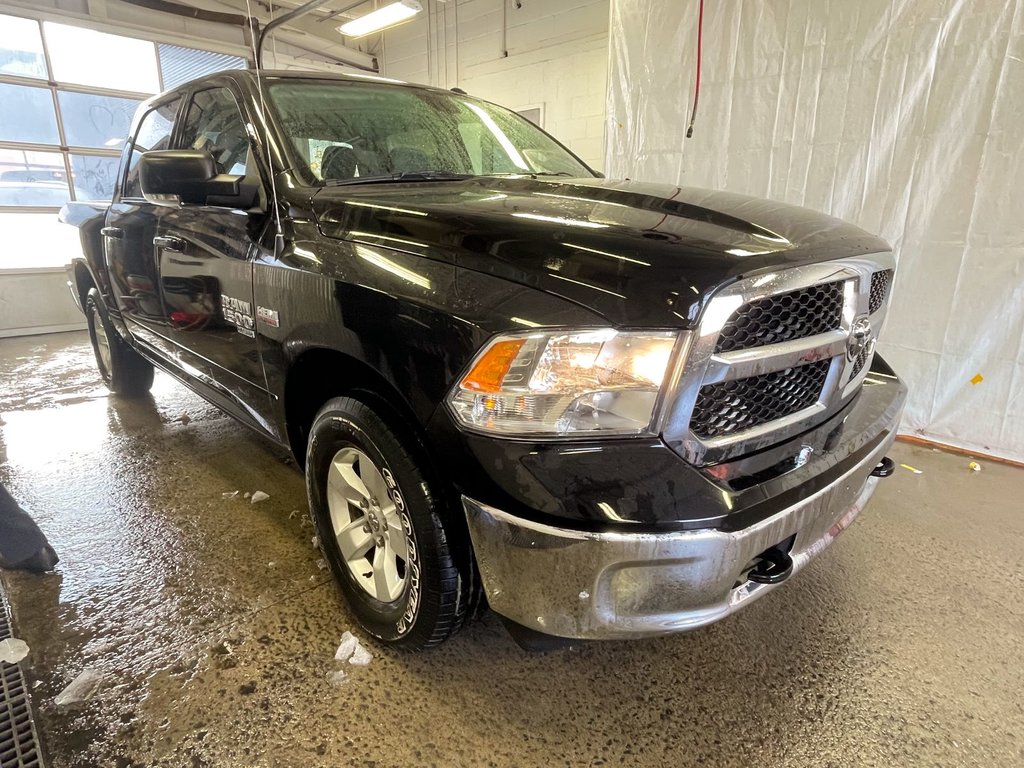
x=21 y=49
x=154 y=133
x=95 y=121
x=37 y=240
x=32 y=178
x=27 y=115
x=179 y=65
x=215 y=124
x=94 y=176
x=88 y=57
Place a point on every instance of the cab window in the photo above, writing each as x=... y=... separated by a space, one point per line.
x=154 y=133
x=214 y=123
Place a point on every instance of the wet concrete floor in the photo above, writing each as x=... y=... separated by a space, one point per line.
x=214 y=629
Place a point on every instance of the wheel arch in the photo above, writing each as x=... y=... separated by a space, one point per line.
x=307 y=389
x=84 y=280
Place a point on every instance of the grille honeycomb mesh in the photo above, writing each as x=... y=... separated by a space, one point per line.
x=734 y=406
x=880 y=282
x=785 y=317
x=860 y=361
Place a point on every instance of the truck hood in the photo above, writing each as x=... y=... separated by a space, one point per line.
x=641 y=255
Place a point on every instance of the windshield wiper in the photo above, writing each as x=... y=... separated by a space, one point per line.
x=400 y=177
x=531 y=174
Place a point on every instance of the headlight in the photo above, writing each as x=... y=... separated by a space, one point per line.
x=566 y=383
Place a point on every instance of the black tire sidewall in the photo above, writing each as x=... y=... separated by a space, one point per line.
x=130 y=374
x=347 y=422
x=94 y=313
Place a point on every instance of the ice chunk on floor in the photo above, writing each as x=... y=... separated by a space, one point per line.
x=352 y=651
x=82 y=688
x=347 y=647
x=13 y=650
x=259 y=496
x=360 y=657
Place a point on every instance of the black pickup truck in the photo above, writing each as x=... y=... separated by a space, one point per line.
x=607 y=409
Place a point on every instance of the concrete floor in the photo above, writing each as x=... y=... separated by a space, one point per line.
x=215 y=629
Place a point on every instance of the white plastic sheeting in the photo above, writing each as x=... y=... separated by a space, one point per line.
x=905 y=117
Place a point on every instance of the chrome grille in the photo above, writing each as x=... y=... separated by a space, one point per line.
x=776 y=353
x=880 y=282
x=785 y=317
x=733 y=406
x=861 y=360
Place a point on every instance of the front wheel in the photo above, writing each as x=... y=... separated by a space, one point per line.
x=124 y=371
x=381 y=528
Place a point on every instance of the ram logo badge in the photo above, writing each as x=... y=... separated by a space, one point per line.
x=239 y=314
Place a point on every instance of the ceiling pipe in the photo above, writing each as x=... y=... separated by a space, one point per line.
x=299 y=39
x=191 y=11
x=284 y=19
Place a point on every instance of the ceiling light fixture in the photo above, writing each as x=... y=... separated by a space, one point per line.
x=382 y=18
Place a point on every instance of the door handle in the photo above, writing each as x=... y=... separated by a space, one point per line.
x=169 y=243
x=114 y=233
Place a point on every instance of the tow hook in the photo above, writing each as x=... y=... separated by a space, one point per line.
x=885 y=468
x=774 y=567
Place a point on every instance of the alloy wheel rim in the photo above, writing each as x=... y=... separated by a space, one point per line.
x=367 y=525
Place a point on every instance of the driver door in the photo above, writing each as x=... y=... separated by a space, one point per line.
x=205 y=256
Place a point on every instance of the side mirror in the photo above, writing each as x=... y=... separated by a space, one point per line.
x=174 y=176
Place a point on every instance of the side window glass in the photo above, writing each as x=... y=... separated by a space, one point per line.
x=154 y=133
x=214 y=123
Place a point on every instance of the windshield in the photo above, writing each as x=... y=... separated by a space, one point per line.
x=346 y=131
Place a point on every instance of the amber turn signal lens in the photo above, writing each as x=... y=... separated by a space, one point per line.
x=489 y=372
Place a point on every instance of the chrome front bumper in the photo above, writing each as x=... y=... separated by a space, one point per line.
x=585 y=585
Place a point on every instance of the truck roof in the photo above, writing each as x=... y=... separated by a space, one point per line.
x=247 y=78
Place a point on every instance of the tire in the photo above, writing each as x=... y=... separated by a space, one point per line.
x=412 y=602
x=125 y=372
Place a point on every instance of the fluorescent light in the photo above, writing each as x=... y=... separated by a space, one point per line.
x=562 y=220
x=605 y=253
x=394 y=268
x=382 y=18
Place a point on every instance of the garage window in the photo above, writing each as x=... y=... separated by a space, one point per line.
x=68 y=101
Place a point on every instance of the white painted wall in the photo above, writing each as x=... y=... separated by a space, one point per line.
x=557 y=57
x=36 y=301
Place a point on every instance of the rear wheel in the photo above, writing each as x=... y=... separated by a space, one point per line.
x=382 y=528
x=124 y=371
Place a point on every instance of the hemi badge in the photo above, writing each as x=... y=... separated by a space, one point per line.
x=268 y=317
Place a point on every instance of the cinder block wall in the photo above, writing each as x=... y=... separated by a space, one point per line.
x=557 y=57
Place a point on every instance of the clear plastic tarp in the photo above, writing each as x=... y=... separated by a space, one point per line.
x=902 y=116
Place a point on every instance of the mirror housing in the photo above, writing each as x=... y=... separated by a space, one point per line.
x=189 y=176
